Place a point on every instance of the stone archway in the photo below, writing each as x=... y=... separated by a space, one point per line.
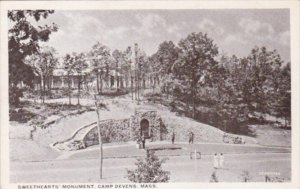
x=145 y=128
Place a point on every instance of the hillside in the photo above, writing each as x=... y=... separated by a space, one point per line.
x=23 y=148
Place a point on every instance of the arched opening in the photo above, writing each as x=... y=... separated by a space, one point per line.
x=145 y=128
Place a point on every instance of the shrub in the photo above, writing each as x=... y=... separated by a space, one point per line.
x=149 y=170
x=245 y=176
x=214 y=177
x=15 y=94
x=151 y=94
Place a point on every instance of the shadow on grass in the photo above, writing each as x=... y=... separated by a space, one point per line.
x=164 y=148
x=207 y=114
x=27 y=110
x=114 y=92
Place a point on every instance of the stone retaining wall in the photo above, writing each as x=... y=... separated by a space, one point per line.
x=116 y=131
x=159 y=129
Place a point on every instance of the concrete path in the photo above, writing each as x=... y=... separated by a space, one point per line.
x=182 y=169
x=129 y=150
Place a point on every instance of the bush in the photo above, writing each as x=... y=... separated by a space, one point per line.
x=15 y=94
x=20 y=115
x=213 y=177
x=149 y=170
x=114 y=92
x=151 y=94
x=245 y=176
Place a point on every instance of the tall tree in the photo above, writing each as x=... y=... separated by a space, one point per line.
x=284 y=94
x=143 y=61
x=263 y=64
x=230 y=106
x=79 y=66
x=118 y=57
x=100 y=56
x=43 y=64
x=69 y=68
x=126 y=67
x=196 y=61
x=23 y=40
x=167 y=54
x=155 y=70
x=98 y=107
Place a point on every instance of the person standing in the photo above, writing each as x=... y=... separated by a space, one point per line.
x=173 y=138
x=143 y=140
x=191 y=138
x=216 y=161
x=221 y=160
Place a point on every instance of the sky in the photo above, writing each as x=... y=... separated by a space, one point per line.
x=234 y=31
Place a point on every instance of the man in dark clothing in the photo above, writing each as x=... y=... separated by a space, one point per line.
x=173 y=137
x=143 y=140
x=191 y=138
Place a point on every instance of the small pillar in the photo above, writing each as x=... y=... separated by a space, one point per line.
x=52 y=82
x=73 y=86
x=62 y=81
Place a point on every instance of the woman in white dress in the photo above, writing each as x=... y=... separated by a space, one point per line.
x=221 y=160
x=216 y=161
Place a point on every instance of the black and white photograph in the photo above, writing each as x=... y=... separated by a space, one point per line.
x=195 y=95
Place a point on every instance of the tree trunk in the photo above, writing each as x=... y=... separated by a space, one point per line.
x=187 y=100
x=101 y=81
x=167 y=90
x=50 y=80
x=144 y=83
x=121 y=82
x=135 y=85
x=131 y=86
x=138 y=89
x=69 y=88
x=112 y=81
x=116 y=76
x=118 y=82
x=44 y=91
x=41 y=90
x=126 y=81
x=154 y=83
x=193 y=98
x=97 y=80
x=79 y=82
x=99 y=138
x=285 y=122
x=86 y=83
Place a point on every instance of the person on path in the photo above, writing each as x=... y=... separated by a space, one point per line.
x=173 y=138
x=143 y=140
x=191 y=138
x=221 y=160
x=216 y=161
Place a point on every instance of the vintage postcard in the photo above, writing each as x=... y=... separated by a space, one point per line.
x=149 y=94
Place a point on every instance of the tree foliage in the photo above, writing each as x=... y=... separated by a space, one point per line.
x=68 y=66
x=43 y=64
x=195 y=62
x=101 y=59
x=251 y=85
x=149 y=170
x=23 y=40
x=79 y=66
